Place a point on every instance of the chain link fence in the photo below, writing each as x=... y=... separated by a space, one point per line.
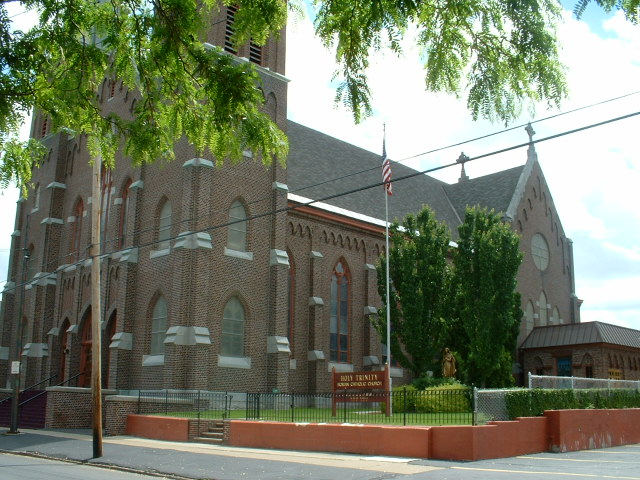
x=490 y=405
x=548 y=381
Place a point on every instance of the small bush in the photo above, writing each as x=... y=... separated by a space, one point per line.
x=423 y=383
x=404 y=399
x=443 y=399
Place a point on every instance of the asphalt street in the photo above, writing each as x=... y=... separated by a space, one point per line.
x=27 y=454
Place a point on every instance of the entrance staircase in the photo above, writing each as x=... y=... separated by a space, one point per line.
x=215 y=434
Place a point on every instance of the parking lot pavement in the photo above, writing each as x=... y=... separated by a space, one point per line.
x=610 y=463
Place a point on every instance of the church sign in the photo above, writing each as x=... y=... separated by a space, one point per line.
x=360 y=387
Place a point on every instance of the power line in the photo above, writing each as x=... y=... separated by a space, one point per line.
x=464 y=142
x=379 y=184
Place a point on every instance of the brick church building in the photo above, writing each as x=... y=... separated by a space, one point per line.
x=240 y=278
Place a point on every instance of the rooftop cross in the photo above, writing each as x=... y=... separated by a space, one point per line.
x=530 y=131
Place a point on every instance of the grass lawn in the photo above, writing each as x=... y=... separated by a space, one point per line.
x=323 y=415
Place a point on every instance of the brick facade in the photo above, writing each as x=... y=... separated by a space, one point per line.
x=197 y=274
x=596 y=360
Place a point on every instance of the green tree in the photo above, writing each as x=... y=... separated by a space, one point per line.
x=502 y=54
x=419 y=273
x=486 y=312
x=156 y=48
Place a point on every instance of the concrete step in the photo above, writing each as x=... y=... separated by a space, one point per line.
x=211 y=441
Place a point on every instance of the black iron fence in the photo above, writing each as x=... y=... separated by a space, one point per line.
x=449 y=406
x=198 y=404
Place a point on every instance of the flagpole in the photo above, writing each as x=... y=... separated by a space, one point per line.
x=386 y=231
x=386 y=176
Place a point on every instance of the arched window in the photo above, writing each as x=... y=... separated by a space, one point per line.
x=36 y=197
x=291 y=289
x=232 y=341
x=339 y=315
x=105 y=205
x=26 y=333
x=164 y=226
x=555 y=317
x=76 y=230
x=64 y=350
x=86 y=358
x=123 y=227
x=109 y=332
x=32 y=262
x=542 y=305
x=237 y=233
x=158 y=327
x=528 y=318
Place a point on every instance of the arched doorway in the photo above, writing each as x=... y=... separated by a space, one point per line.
x=64 y=351
x=85 y=353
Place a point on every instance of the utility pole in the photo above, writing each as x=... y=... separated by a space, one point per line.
x=16 y=365
x=96 y=310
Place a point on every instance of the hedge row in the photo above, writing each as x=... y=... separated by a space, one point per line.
x=441 y=399
x=533 y=402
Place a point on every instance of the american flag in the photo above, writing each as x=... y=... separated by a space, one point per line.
x=386 y=170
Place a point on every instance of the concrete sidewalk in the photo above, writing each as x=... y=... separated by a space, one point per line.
x=200 y=461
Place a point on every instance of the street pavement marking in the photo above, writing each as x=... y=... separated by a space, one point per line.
x=585 y=460
x=560 y=474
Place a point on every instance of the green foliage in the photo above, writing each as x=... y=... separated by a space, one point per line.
x=501 y=53
x=445 y=399
x=428 y=382
x=485 y=312
x=631 y=8
x=533 y=402
x=442 y=396
x=404 y=399
x=471 y=307
x=182 y=86
x=419 y=272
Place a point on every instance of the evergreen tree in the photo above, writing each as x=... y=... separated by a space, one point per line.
x=419 y=272
x=485 y=314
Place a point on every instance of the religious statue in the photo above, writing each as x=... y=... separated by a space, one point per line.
x=448 y=364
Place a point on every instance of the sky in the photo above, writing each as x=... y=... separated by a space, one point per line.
x=593 y=175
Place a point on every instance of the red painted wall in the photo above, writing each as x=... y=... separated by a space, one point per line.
x=159 y=428
x=363 y=439
x=572 y=430
x=557 y=430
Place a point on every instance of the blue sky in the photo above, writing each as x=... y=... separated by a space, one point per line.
x=593 y=176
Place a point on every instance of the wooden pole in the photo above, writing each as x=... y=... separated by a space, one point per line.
x=96 y=323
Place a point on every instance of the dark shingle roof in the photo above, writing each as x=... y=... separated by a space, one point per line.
x=492 y=191
x=320 y=166
x=581 y=334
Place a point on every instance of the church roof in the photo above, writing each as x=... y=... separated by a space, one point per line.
x=581 y=334
x=493 y=191
x=320 y=166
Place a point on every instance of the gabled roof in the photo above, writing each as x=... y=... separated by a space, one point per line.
x=492 y=191
x=581 y=334
x=320 y=166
